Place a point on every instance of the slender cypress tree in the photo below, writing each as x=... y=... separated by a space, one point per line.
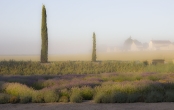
x=44 y=37
x=94 y=56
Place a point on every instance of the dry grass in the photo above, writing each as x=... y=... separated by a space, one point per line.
x=124 y=56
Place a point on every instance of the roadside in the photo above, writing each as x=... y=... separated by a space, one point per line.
x=88 y=106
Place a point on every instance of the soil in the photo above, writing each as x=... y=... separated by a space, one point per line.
x=89 y=105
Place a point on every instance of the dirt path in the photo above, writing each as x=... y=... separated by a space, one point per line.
x=88 y=106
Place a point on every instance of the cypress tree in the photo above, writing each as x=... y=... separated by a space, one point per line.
x=44 y=37
x=94 y=56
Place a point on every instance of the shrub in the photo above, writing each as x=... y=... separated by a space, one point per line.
x=1 y=85
x=51 y=96
x=4 y=98
x=169 y=96
x=64 y=92
x=154 y=96
x=64 y=95
x=145 y=62
x=14 y=99
x=38 y=97
x=87 y=93
x=25 y=99
x=76 y=95
x=63 y=99
x=17 y=89
x=102 y=97
x=118 y=97
x=136 y=97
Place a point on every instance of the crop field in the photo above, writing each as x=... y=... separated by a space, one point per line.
x=75 y=81
x=101 y=88
x=128 y=79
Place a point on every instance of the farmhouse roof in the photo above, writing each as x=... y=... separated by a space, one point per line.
x=161 y=41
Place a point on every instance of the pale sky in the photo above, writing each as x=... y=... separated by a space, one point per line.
x=72 y=22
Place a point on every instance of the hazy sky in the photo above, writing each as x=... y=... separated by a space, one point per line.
x=72 y=22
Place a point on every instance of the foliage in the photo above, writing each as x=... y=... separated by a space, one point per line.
x=68 y=67
x=169 y=96
x=102 y=97
x=38 y=97
x=111 y=87
x=80 y=67
x=64 y=99
x=87 y=93
x=154 y=96
x=4 y=98
x=119 y=97
x=44 y=36
x=51 y=96
x=17 y=89
x=25 y=99
x=94 y=56
x=14 y=99
x=76 y=95
x=135 y=97
x=1 y=86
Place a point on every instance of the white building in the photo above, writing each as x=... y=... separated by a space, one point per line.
x=136 y=46
x=161 y=45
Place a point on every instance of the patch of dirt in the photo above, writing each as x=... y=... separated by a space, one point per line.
x=88 y=105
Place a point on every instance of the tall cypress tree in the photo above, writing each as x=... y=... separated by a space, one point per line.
x=94 y=56
x=44 y=36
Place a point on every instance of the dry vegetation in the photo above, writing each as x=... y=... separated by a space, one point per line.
x=101 y=88
x=75 y=81
x=123 y=56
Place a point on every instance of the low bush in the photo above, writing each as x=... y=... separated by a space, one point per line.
x=1 y=86
x=14 y=99
x=25 y=99
x=64 y=92
x=4 y=98
x=64 y=95
x=135 y=97
x=38 y=97
x=87 y=93
x=64 y=99
x=154 y=96
x=76 y=95
x=17 y=89
x=51 y=96
x=102 y=97
x=169 y=96
x=118 y=97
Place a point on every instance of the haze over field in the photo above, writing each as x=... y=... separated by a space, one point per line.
x=71 y=24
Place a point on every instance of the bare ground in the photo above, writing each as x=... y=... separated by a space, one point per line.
x=88 y=106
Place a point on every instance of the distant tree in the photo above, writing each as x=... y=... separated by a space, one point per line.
x=44 y=37
x=128 y=43
x=94 y=56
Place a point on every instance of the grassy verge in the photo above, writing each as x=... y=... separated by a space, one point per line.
x=79 y=67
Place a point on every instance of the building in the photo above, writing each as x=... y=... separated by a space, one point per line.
x=161 y=45
x=136 y=46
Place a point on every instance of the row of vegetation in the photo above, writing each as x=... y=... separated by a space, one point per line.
x=79 y=67
x=101 y=88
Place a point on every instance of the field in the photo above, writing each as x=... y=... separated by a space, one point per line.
x=122 y=56
x=107 y=81
x=100 y=88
